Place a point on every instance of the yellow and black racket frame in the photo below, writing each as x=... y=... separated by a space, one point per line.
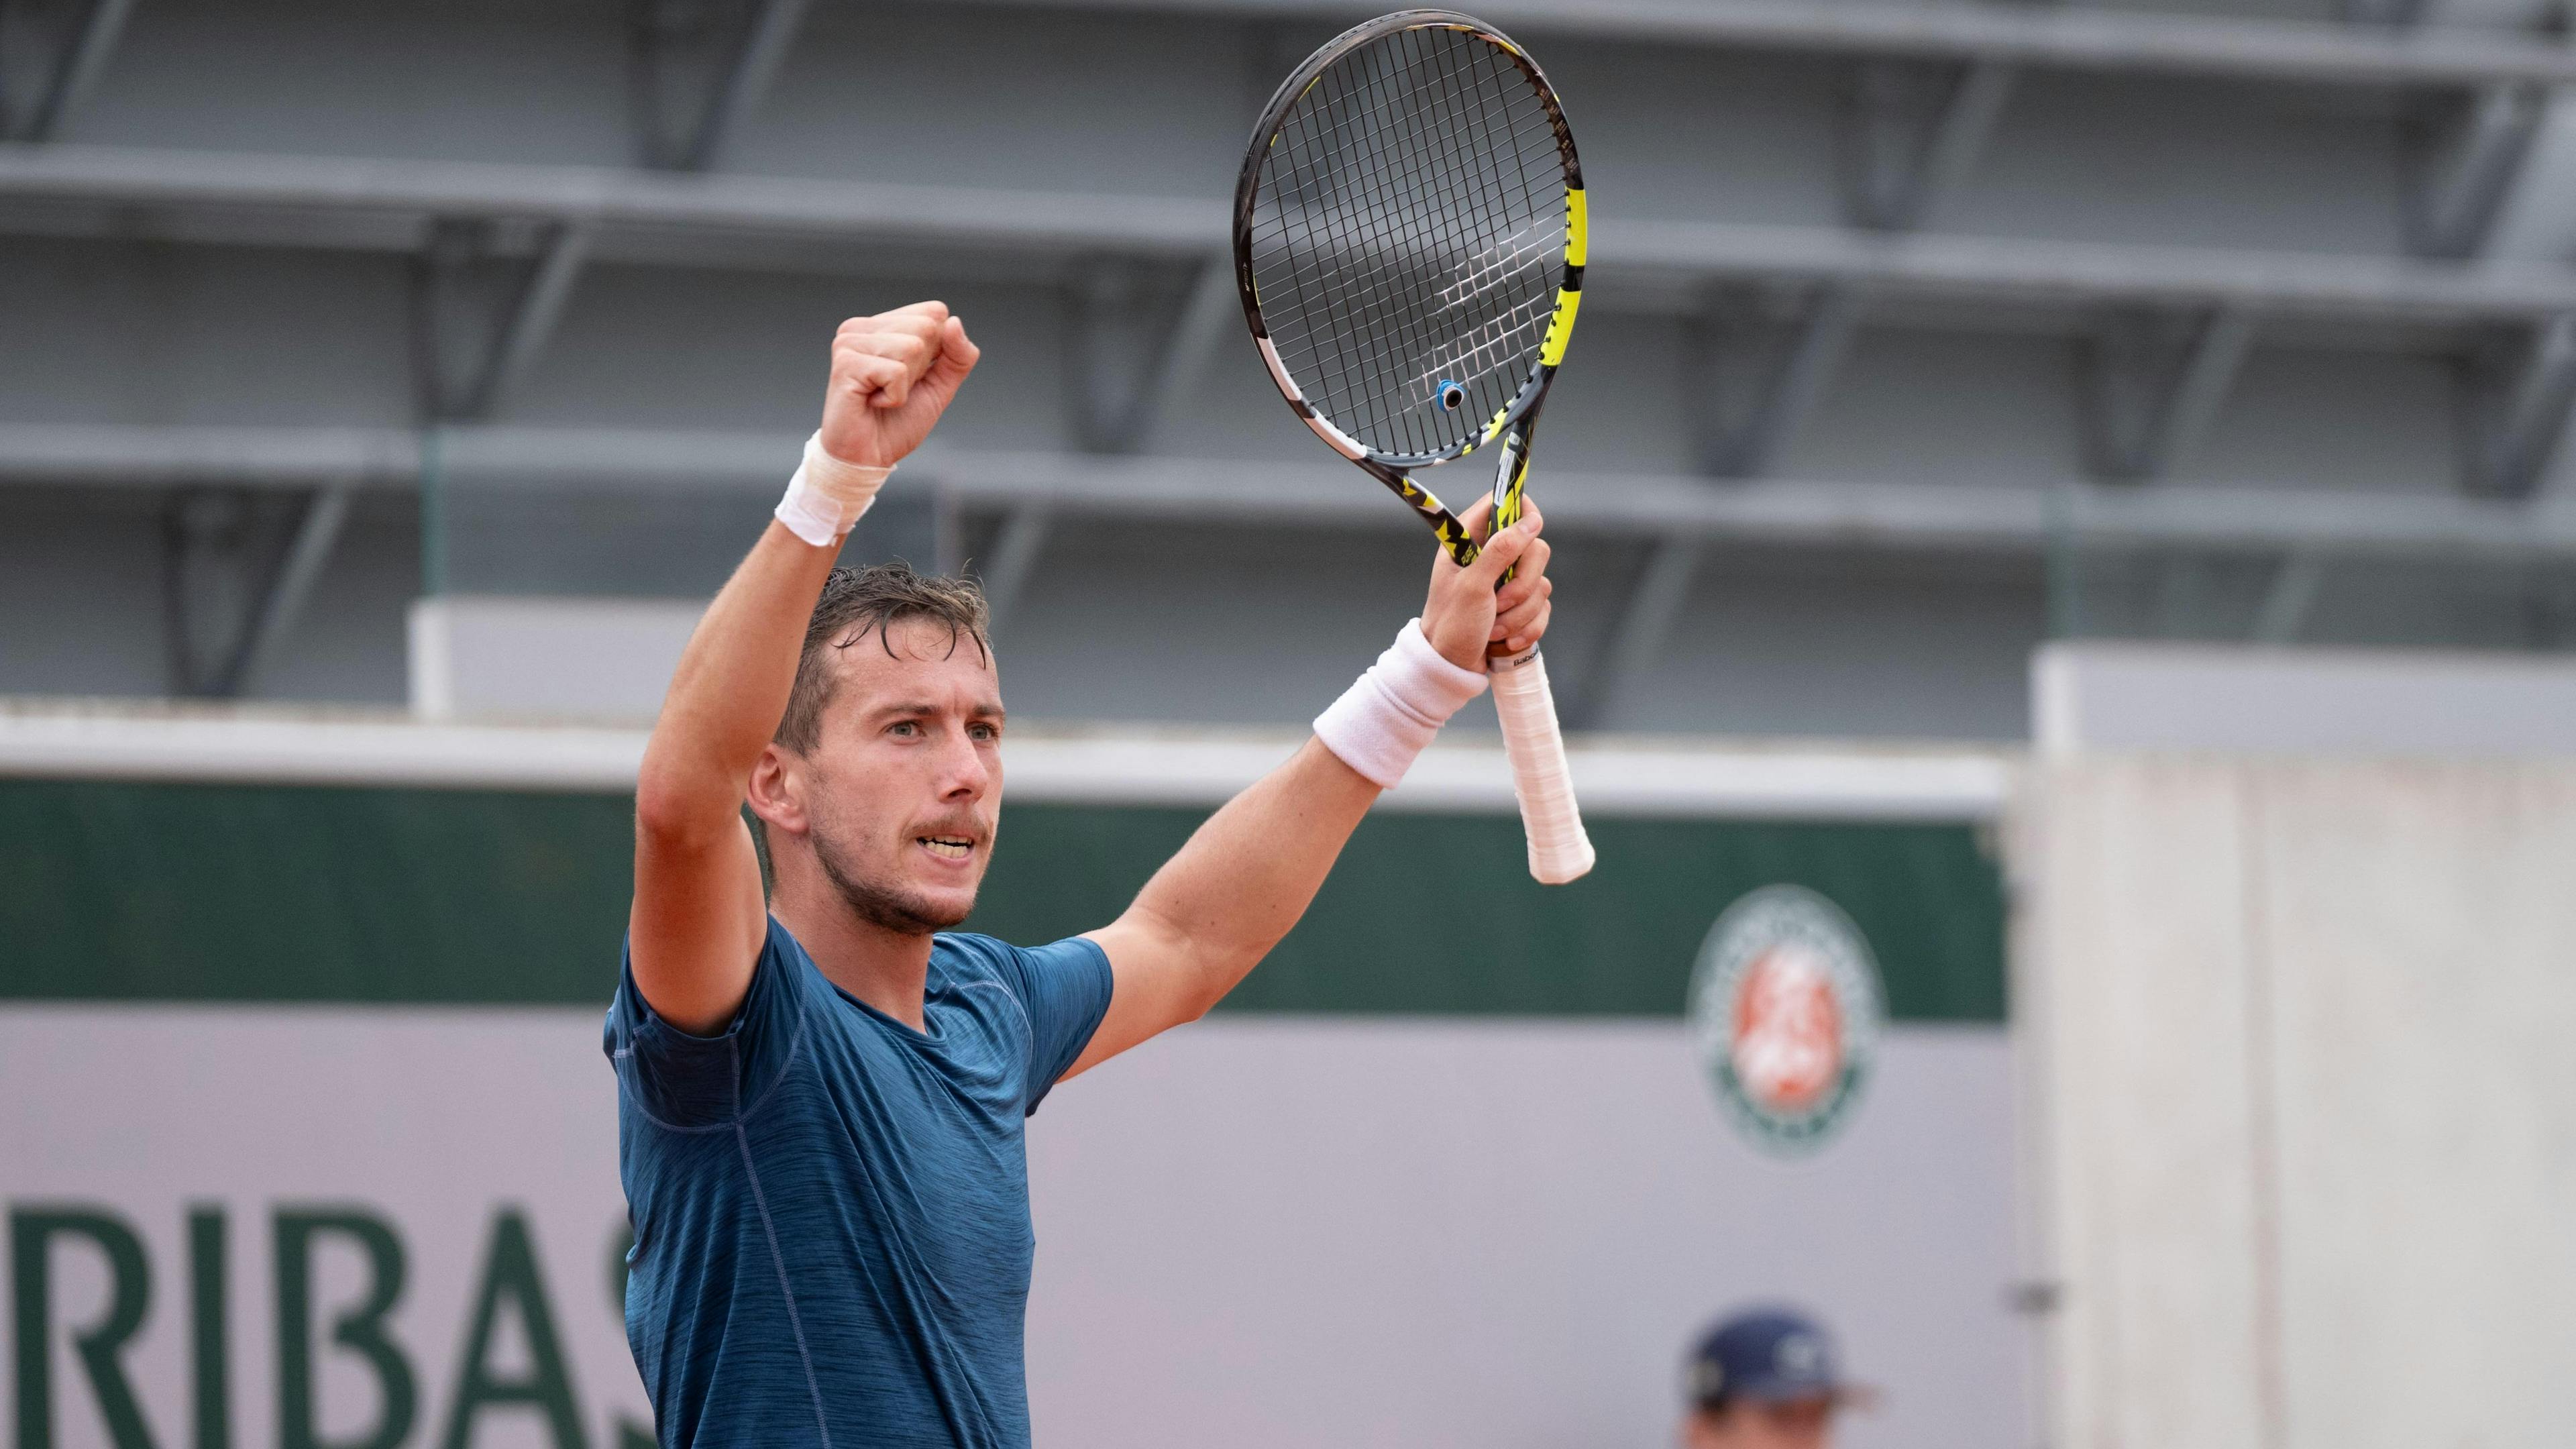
x=1513 y=423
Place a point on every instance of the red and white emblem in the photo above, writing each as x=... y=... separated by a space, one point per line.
x=1788 y=1029
x=1785 y=1005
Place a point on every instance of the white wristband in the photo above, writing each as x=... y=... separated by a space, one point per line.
x=826 y=497
x=1390 y=714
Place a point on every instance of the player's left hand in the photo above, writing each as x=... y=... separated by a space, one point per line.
x=1465 y=616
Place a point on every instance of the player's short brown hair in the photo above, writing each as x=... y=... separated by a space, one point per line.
x=871 y=600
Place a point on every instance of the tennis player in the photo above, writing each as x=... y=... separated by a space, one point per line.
x=821 y=1094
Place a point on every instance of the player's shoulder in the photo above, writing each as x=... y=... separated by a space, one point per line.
x=969 y=954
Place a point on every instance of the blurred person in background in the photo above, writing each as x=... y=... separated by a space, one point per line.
x=1765 y=1378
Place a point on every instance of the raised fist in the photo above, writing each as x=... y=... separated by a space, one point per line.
x=893 y=374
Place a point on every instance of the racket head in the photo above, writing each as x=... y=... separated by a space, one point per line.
x=1409 y=237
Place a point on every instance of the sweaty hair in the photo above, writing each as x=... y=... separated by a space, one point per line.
x=857 y=603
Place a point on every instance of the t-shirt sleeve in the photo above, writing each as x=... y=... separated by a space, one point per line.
x=692 y=1082
x=1065 y=989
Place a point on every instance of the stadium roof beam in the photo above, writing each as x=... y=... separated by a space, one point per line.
x=1130 y=317
x=317 y=533
x=1626 y=253
x=1910 y=138
x=1898 y=167
x=1785 y=386
x=1645 y=621
x=204 y=534
x=499 y=350
x=2054 y=37
x=2290 y=598
x=2394 y=14
x=1143 y=338
x=1016 y=547
x=2088 y=273
x=2462 y=164
x=1921 y=517
x=759 y=42
x=2519 y=413
x=2152 y=396
x=612 y=197
x=85 y=51
x=1206 y=319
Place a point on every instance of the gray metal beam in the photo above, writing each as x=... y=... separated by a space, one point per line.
x=2151 y=410
x=2217 y=352
x=1903 y=166
x=611 y=197
x=2517 y=426
x=218 y=576
x=316 y=534
x=531 y=319
x=1324 y=494
x=2059 y=37
x=2471 y=166
x=1210 y=315
x=2393 y=14
x=1127 y=319
x=1016 y=549
x=2081 y=273
x=1899 y=169
x=497 y=311
x=1967 y=123
x=2290 y=599
x=1790 y=387
x=765 y=43
x=83 y=60
x=1657 y=262
x=1637 y=637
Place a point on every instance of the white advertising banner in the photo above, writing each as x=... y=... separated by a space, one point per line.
x=334 y=1228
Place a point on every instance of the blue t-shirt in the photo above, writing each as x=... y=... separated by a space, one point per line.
x=831 y=1210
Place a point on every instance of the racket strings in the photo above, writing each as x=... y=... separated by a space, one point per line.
x=1406 y=236
x=1479 y=262
x=1430 y=120
x=1365 y=288
x=1391 y=130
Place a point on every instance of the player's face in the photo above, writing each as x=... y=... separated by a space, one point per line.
x=904 y=789
x=1797 y=1424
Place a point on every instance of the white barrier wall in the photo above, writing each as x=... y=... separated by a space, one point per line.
x=480 y=657
x=1258 y=1232
x=2302 y=1099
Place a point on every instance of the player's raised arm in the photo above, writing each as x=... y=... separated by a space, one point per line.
x=698 y=919
x=1215 y=909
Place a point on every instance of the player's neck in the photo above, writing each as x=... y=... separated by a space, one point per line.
x=887 y=969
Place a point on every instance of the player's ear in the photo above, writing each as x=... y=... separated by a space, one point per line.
x=777 y=790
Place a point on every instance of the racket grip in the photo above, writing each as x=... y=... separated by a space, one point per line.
x=1559 y=851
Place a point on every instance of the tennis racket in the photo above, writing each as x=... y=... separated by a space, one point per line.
x=1409 y=240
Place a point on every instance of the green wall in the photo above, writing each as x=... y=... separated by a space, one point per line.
x=157 y=892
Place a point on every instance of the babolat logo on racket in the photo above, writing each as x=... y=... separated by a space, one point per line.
x=1785 y=1006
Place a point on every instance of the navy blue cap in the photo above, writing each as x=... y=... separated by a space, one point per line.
x=1770 y=1355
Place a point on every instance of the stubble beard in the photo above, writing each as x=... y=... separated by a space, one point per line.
x=891 y=910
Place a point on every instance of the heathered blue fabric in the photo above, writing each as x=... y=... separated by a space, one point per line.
x=831 y=1210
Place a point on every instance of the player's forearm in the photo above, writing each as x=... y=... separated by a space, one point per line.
x=1248 y=873
x=731 y=687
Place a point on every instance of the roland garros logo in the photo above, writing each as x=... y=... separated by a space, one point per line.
x=1785 y=1007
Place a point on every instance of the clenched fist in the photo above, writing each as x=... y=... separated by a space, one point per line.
x=893 y=374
